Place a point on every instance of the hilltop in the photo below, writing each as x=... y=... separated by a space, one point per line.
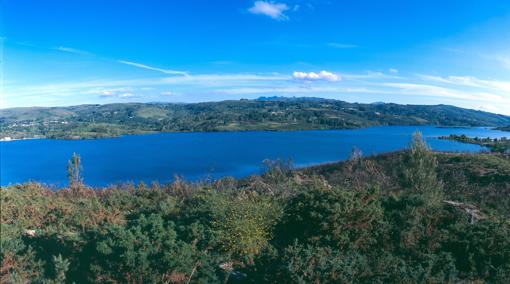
x=274 y=113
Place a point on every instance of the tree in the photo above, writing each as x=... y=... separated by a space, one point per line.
x=244 y=224
x=74 y=169
x=420 y=172
x=61 y=267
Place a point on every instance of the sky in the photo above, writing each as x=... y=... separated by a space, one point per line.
x=58 y=53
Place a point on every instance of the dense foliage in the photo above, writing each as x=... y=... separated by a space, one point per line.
x=94 y=121
x=409 y=217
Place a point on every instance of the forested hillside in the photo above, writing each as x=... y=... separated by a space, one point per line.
x=94 y=121
x=408 y=217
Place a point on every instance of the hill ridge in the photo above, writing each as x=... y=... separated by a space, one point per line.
x=107 y=120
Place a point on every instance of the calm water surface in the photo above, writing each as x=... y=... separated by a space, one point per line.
x=194 y=156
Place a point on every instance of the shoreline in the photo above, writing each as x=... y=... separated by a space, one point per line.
x=249 y=130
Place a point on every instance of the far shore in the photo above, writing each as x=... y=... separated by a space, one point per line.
x=85 y=137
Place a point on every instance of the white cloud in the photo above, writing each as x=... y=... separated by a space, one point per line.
x=270 y=9
x=166 y=93
x=341 y=45
x=147 y=67
x=312 y=76
x=393 y=71
x=72 y=50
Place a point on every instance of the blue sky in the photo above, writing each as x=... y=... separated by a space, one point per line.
x=102 y=51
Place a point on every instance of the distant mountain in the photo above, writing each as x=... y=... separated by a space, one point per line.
x=265 y=113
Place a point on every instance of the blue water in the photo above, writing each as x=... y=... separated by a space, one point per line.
x=199 y=155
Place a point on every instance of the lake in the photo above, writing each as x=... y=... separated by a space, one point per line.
x=200 y=155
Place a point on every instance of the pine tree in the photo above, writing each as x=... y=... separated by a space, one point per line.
x=420 y=172
x=61 y=267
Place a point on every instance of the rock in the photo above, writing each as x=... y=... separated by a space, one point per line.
x=475 y=214
x=227 y=266
x=30 y=233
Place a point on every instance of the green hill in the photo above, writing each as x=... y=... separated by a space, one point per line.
x=95 y=121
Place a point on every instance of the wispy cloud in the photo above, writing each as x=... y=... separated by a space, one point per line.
x=270 y=9
x=368 y=75
x=453 y=50
x=442 y=92
x=222 y=62
x=312 y=76
x=114 y=94
x=303 y=90
x=130 y=63
x=464 y=91
x=72 y=50
x=470 y=81
x=110 y=87
x=147 y=67
x=504 y=60
x=341 y=45
x=427 y=90
x=495 y=56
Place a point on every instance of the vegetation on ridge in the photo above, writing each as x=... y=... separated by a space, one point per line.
x=409 y=217
x=96 y=121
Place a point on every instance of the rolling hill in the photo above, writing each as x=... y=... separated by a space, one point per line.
x=96 y=121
